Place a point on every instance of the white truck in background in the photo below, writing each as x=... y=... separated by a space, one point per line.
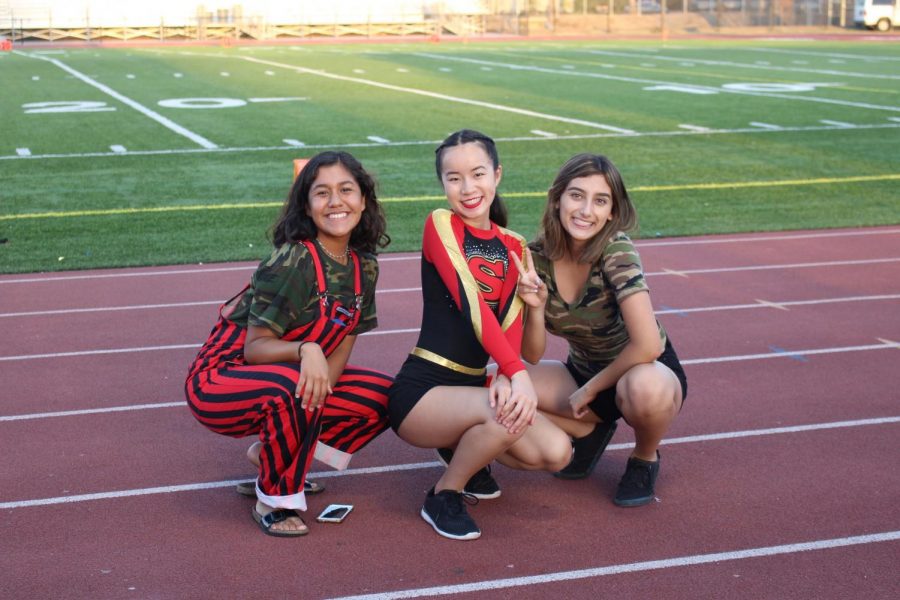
x=877 y=14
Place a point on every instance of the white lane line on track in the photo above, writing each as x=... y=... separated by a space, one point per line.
x=763 y=238
x=649 y=565
x=728 y=435
x=168 y=489
x=786 y=353
x=90 y=411
x=781 y=305
x=759 y=303
x=833 y=263
x=73 y=311
x=638 y=80
x=438 y=96
x=164 y=121
x=200 y=271
x=781 y=353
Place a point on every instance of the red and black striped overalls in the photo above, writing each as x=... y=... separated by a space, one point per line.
x=233 y=398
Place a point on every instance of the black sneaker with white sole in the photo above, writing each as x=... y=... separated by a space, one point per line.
x=446 y=512
x=482 y=484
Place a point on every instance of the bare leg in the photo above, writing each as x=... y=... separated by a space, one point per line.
x=554 y=384
x=253 y=453
x=649 y=397
x=543 y=447
x=460 y=417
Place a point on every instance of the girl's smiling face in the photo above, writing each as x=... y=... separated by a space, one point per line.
x=335 y=205
x=470 y=182
x=585 y=207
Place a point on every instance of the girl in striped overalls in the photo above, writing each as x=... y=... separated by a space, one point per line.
x=275 y=364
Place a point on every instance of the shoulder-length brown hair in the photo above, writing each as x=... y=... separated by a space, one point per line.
x=554 y=239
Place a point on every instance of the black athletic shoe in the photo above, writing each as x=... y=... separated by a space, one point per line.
x=636 y=486
x=482 y=484
x=588 y=450
x=446 y=513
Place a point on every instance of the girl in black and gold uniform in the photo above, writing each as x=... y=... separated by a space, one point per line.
x=441 y=398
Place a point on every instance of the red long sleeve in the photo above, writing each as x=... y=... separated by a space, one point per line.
x=441 y=246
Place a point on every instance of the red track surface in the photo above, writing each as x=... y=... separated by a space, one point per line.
x=91 y=506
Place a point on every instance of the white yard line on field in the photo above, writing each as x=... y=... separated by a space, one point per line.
x=726 y=63
x=436 y=95
x=699 y=88
x=164 y=121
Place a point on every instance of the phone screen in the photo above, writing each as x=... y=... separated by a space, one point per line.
x=336 y=513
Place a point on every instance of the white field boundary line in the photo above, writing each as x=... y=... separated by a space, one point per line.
x=547 y=70
x=725 y=63
x=636 y=567
x=437 y=96
x=728 y=435
x=759 y=303
x=52 y=279
x=348 y=145
x=164 y=121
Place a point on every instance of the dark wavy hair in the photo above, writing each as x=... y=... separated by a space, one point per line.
x=294 y=225
x=554 y=239
x=467 y=136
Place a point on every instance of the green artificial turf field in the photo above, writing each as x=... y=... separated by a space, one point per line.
x=121 y=157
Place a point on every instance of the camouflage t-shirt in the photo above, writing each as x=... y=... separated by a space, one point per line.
x=593 y=323
x=283 y=294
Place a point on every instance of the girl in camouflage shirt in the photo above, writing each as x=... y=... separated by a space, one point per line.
x=582 y=280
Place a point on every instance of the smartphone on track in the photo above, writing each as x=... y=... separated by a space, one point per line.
x=334 y=513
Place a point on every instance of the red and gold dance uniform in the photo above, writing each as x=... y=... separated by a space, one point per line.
x=470 y=310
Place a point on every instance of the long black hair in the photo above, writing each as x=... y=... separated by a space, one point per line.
x=294 y=224
x=466 y=136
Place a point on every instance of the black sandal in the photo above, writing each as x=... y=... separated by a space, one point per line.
x=278 y=515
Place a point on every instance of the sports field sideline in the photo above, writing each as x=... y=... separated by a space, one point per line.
x=191 y=147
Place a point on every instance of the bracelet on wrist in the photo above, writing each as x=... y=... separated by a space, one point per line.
x=300 y=348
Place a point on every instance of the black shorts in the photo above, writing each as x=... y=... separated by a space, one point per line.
x=604 y=403
x=415 y=378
